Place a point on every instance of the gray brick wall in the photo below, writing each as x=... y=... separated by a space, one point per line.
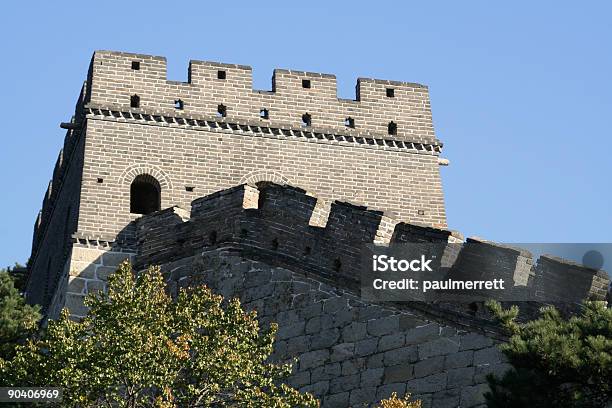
x=349 y=353
x=113 y=81
x=110 y=143
x=405 y=183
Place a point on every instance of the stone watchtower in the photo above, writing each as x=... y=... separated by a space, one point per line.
x=139 y=143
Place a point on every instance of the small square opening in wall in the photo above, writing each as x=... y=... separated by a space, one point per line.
x=100 y=180
x=390 y=93
x=221 y=74
x=392 y=128
x=221 y=111
x=136 y=65
x=421 y=212
x=306 y=120
x=306 y=83
x=179 y=104
x=264 y=113
x=349 y=123
x=135 y=101
x=189 y=188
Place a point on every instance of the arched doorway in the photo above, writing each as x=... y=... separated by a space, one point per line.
x=145 y=195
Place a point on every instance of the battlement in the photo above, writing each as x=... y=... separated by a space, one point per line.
x=393 y=109
x=278 y=229
x=67 y=156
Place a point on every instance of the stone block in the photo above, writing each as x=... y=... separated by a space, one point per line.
x=362 y=396
x=311 y=310
x=422 y=334
x=290 y=330
x=95 y=286
x=391 y=341
x=344 y=383
x=432 y=383
x=325 y=338
x=87 y=255
x=281 y=275
x=111 y=258
x=299 y=344
x=354 y=366
x=335 y=304
x=372 y=377
x=326 y=372
x=407 y=322
x=303 y=299
x=343 y=317
x=256 y=292
x=342 y=351
x=383 y=325
x=460 y=377
x=76 y=285
x=366 y=347
x=490 y=355
x=461 y=359
x=313 y=325
x=83 y=269
x=103 y=272
x=376 y=360
x=257 y=278
x=447 y=398
x=440 y=346
x=313 y=359
x=398 y=373
x=299 y=379
x=74 y=303
x=447 y=331
x=401 y=356
x=429 y=366
x=318 y=389
x=474 y=341
x=354 y=332
x=369 y=312
x=339 y=400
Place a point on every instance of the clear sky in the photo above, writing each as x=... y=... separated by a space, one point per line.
x=521 y=92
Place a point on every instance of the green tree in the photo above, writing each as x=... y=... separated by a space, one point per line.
x=558 y=362
x=19 y=274
x=18 y=320
x=138 y=347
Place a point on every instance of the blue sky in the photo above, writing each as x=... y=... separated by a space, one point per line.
x=521 y=92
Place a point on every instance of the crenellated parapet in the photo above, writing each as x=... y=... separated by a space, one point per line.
x=272 y=222
x=135 y=82
x=553 y=277
x=65 y=158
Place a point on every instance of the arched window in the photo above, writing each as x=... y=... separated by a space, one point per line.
x=145 y=195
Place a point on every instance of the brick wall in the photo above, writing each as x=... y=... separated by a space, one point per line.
x=259 y=244
x=349 y=353
x=113 y=81
x=109 y=143
x=407 y=183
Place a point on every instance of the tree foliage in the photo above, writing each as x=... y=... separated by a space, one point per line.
x=558 y=362
x=138 y=347
x=19 y=274
x=18 y=320
x=395 y=402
